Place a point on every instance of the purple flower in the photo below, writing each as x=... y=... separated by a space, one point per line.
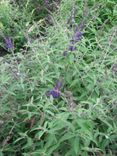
x=55 y=92
x=72 y=48
x=77 y=36
x=9 y=43
x=46 y=2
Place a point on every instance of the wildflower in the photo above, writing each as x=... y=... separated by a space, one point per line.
x=9 y=43
x=77 y=35
x=76 y=38
x=55 y=92
x=72 y=48
x=46 y=2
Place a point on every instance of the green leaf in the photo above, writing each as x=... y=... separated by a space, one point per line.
x=66 y=136
x=29 y=143
x=1 y=153
x=76 y=145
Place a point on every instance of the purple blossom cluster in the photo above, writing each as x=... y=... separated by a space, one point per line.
x=46 y=2
x=9 y=43
x=78 y=35
x=56 y=91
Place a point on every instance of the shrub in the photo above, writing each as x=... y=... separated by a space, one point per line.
x=58 y=96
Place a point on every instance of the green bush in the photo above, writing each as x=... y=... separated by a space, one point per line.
x=82 y=120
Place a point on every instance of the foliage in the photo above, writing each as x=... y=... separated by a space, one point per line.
x=82 y=119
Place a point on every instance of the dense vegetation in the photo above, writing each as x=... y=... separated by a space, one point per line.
x=58 y=78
